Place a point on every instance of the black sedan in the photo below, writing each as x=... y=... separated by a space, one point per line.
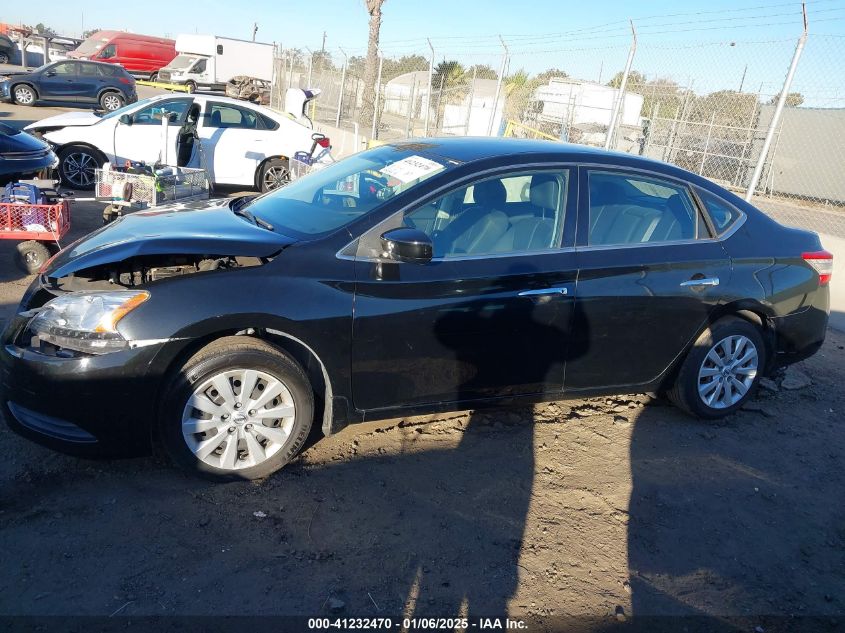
x=421 y=276
x=23 y=156
x=107 y=85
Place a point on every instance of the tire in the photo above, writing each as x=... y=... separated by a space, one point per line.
x=191 y=86
x=30 y=256
x=111 y=101
x=274 y=173
x=24 y=95
x=4 y=58
x=153 y=77
x=712 y=377
x=227 y=363
x=77 y=164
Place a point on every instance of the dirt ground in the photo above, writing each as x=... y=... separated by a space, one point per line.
x=601 y=507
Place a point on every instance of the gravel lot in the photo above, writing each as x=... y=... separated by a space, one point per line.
x=600 y=507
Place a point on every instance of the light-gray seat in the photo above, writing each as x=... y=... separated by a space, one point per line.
x=534 y=233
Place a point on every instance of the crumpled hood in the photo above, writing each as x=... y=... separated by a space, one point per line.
x=196 y=228
x=68 y=119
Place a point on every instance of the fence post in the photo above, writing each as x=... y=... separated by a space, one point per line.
x=374 y=133
x=340 y=92
x=410 y=109
x=620 y=99
x=706 y=144
x=310 y=66
x=471 y=97
x=498 y=87
x=773 y=124
x=428 y=92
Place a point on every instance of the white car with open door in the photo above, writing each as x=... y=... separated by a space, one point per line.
x=242 y=143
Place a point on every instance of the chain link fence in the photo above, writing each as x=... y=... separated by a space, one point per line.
x=704 y=106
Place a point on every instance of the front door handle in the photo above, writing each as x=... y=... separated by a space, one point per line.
x=703 y=281
x=541 y=292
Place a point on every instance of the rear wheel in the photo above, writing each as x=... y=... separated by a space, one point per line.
x=722 y=370
x=239 y=409
x=77 y=164
x=4 y=57
x=274 y=173
x=111 y=101
x=24 y=95
x=154 y=77
x=31 y=256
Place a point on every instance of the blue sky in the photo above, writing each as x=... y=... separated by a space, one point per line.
x=685 y=41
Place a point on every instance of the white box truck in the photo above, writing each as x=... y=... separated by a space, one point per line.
x=209 y=61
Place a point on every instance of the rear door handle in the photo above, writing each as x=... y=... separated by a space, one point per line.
x=541 y=292
x=703 y=281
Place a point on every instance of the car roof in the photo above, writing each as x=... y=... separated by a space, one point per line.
x=467 y=149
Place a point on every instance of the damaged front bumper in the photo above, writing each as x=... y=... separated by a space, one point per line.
x=84 y=405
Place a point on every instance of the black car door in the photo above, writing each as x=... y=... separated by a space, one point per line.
x=489 y=316
x=649 y=277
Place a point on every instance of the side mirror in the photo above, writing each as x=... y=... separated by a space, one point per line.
x=125 y=119
x=50 y=73
x=407 y=245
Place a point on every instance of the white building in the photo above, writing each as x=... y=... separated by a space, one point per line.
x=574 y=102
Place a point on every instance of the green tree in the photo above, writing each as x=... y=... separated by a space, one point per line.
x=635 y=78
x=405 y=64
x=89 y=33
x=793 y=99
x=482 y=71
x=46 y=31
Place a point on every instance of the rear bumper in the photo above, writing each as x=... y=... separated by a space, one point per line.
x=801 y=334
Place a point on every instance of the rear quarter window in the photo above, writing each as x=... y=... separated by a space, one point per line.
x=722 y=214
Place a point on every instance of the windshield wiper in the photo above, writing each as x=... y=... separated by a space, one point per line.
x=237 y=209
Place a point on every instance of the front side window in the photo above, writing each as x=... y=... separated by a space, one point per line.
x=199 y=67
x=152 y=114
x=64 y=68
x=633 y=209
x=108 y=52
x=221 y=115
x=516 y=213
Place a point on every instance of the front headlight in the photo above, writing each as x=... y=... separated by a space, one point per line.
x=86 y=322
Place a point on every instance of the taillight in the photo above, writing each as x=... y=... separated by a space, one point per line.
x=124 y=80
x=822 y=261
x=324 y=142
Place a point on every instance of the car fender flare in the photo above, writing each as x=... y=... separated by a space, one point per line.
x=82 y=144
x=103 y=91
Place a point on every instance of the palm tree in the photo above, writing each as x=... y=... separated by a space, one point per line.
x=371 y=68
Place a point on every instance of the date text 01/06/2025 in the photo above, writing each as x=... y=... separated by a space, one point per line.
x=418 y=624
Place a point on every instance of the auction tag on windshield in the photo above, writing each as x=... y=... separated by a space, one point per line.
x=411 y=168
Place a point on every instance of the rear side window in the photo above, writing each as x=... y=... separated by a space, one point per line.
x=89 y=70
x=722 y=214
x=634 y=209
x=267 y=122
x=230 y=116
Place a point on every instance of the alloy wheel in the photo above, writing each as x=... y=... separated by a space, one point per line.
x=78 y=168
x=111 y=102
x=24 y=95
x=238 y=418
x=728 y=371
x=275 y=177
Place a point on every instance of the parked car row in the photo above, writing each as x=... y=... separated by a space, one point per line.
x=420 y=276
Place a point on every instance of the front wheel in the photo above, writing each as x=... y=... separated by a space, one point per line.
x=191 y=87
x=239 y=409
x=77 y=164
x=274 y=173
x=722 y=370
x=24 y=95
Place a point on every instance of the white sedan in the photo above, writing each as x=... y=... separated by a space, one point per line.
x=239 y=143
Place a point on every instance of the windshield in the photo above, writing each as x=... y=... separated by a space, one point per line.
x=341 y=193
x=91 y=45
x=181 y=61
x=130 y=108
